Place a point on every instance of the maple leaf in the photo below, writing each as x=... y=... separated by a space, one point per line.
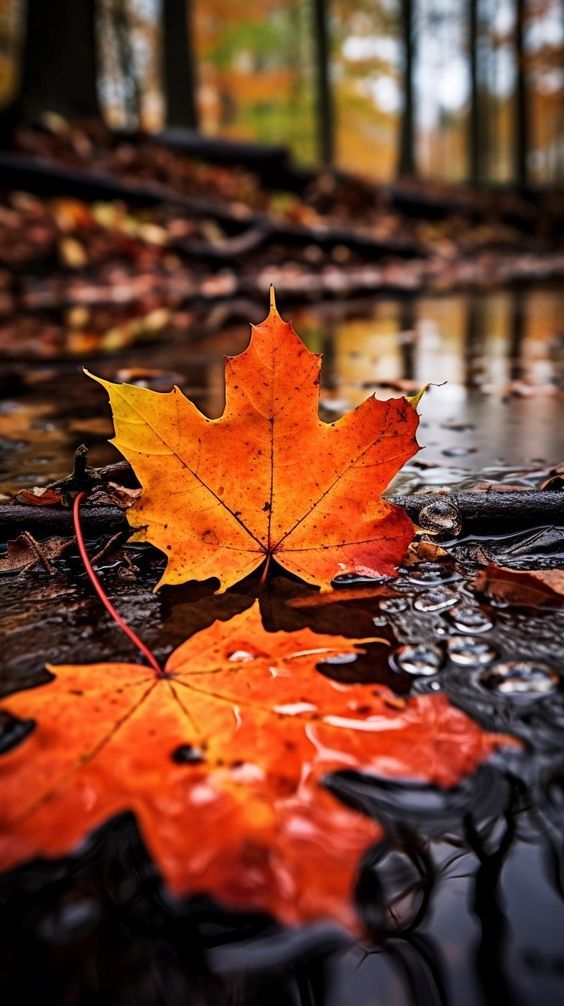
x=268 y=478
x=220 y=758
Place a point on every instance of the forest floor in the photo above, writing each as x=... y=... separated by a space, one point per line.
x=105 y=239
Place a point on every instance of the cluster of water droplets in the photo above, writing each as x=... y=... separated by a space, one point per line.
x=454 y=630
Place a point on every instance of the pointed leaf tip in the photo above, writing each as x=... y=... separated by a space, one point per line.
x=415 y=399
x=273 y=312
x=99 y=380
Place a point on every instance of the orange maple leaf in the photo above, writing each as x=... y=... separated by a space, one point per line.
x=220 y=759
x=267 y=478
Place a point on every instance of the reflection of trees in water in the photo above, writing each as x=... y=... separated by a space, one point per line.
x=517 y=325
x=479 y=843
x=491 y=952
x=407 y=326
x=473 y=341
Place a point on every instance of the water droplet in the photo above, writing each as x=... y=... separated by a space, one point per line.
x=430 y=572
x=470 y=652
x=425 y=686
x=358 y=579
x=417 y=659
x=517 y=677
x=441 y=515
x=393 y=605
x=295 y=708
x=203 y=794
x=13 y=730
x=188 y=754
x=469 y=619
x=435 y=600
x=240 y=655
x=341 y=658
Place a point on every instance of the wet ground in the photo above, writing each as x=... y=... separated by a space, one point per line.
x=498 y=358
x=465 y=896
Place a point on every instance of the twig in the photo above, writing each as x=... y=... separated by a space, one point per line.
x=479 y=511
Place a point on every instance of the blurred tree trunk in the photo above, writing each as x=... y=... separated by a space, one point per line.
x=406 y=159
x=474 y=153
x=179 y=65
x=324 y=103
x=558 y=171
x=128 y=71
x=521 y=98
x=59 y=60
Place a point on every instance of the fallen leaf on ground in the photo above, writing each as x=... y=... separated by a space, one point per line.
x=221 y=760
x=41 y=496
x=555 y=480
x=112 y=494
x=25 y=552
x=269 y=478
x=424 y=551
x=522 y=586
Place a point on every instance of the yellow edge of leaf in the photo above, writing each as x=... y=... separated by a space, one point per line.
x=99 y=380
x=415 y=399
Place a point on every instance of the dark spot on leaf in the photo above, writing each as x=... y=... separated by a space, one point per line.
x=187 y=754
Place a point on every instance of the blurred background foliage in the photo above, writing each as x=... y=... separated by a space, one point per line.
x=447 y=89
